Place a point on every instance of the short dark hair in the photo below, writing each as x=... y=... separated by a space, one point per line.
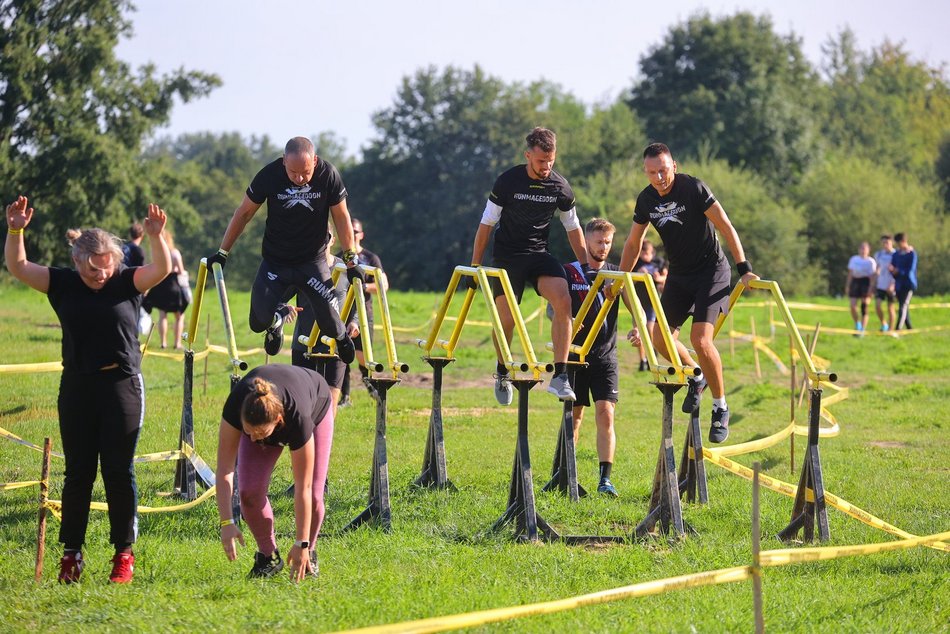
x=356 y=221
x=136 y=231
x=656 y=149
x=886 y=236
x=299 y=145
x=899 y=237
x=541 y=138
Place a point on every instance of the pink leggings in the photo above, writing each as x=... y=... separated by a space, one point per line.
x=255 y=467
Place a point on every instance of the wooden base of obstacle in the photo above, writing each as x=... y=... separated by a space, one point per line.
x=521 y=505
x=810 y=508
x=692 y=474
x=434 y=473
x=665 y=500
x=378 y=510
x=564 y=467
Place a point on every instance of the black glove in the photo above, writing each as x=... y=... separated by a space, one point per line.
x=589 y=275
x=471 y=282
x=221 y=257
x=355 y=273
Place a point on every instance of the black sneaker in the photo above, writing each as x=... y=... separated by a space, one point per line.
x=694 y=390
x=344 y=401
x=719 y=429
x=644 y=365
x=266 y=567
x=345 y=349
x=373 y=392
x=274 y=336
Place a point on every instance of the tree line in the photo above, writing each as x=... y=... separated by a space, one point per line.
x=808 y=161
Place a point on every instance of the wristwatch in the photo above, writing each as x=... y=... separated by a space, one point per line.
x=301 y=544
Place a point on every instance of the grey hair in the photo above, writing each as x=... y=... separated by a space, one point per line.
x=92 y=242
x=300 y=145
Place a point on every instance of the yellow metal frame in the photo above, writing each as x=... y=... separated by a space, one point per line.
x=623 y=283
x=482 y=275
x=355 y=294
x=798 y=345
x=190 y=335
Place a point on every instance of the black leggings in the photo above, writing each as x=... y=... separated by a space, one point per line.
x=100 y=416
x=275 y=285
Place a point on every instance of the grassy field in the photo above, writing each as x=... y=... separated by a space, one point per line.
x=891 y=459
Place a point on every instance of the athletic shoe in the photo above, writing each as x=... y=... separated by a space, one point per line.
x=266 y=567
x=345 y=349
x=504 y=392
x=70 y=567
x=314 y=564
x=122 y=568
x=885 y=327
x=374 y=394
x=344 y=401
x=644 y=365
x=561 y=387
x=694 y=390
x=606 y=487
x=274 y=339
x=719 y=430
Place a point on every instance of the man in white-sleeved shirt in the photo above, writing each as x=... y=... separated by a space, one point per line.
x=861 y=268
x=522 y=204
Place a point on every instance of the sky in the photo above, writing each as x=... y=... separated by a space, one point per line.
x=302 y=67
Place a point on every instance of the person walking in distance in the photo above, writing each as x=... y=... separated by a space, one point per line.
x=904 y=269
x=302 y=191
x=101 y=393
x=861 y=269
x=686 y=214
x=522 y=204
x=883 y=284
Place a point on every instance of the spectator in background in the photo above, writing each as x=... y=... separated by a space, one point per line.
x=884 y=284
x=655 y=266
x=861 y=269
x=172 y=295
x=132 y=252
x=367 y=258
x=904 y=269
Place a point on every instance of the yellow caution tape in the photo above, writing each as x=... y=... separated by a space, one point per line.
x=9 y=486
x=798 y=555
x=26 y=368
x=102 y=506
x=26 y=443
x=457 y=621
x=164 y=456
x=753 y=445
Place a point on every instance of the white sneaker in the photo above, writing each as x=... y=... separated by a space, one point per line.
x=504 y=392
x=560 y=386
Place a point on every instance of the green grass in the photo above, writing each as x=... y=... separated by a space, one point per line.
x=891 y=459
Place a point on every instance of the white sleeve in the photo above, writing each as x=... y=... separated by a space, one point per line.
x=569 y=219
x=491 y=215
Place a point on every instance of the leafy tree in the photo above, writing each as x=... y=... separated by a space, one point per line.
x=884 y=106
x=733 y=85
x=73 y=117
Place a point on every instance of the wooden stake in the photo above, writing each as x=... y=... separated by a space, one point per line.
x=44 y=497
x=755 y=351
x=756 y=568
x=792 y=402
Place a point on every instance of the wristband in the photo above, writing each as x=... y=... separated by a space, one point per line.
x=743 y=267
x=14 y=232
x=223 y=252
x=227 y=522
x=302 y=544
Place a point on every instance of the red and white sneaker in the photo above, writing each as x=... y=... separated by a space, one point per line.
x=122 y=568
x=70 y=567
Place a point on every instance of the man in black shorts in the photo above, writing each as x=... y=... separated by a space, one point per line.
x=302 y=190
x=601 y=378
x=522 y=203
x=685 y=213
x=367 y=258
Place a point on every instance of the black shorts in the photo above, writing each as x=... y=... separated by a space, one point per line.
x=860 y=287
x=600 y=380
x=526 y=268
x=330 y=368
x=703 y=295
x=885 y=294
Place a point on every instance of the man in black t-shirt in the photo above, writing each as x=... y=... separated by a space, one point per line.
x=686 y=215
x=367 y=258
x=522 y=203
x=302 y=190
x=601 y=378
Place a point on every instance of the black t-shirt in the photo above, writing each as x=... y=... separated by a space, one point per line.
x=679 y=217
x=369 y=258
x=605 y=345
x=99 y=327
x=303 y=392
x=528 y=206
x=134 y=254
x=297 y=217
x=652 y=267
